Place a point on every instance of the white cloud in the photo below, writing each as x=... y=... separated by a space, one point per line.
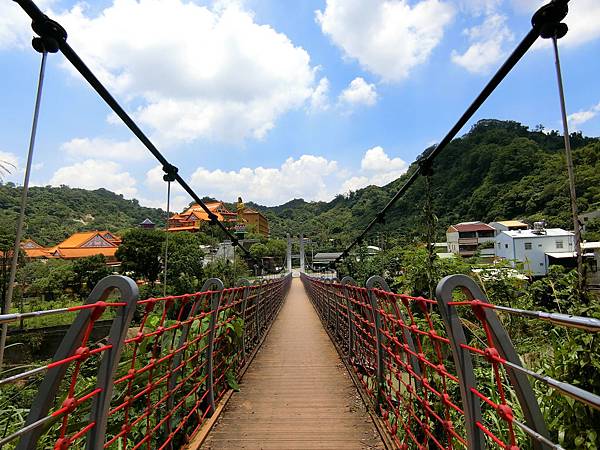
x=319 y=100
x=583 y=19
x=95 y=174
x=377 y=168
x=309 y=177
x=195 y=72
x=583 y=116
x=9 y=166
x=479 y=7
x=359 y=92
x=157 y=187
x=488 y=45
x=15 y=25
x=388 y=37
x=86 y=148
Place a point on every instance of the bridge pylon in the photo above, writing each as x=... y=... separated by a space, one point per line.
x=300 y=256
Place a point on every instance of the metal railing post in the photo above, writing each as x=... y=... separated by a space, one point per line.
x=214 y=317
x=105 y=380
x=464 y=365
x=245 y=284
x=378 y=337
x=349 y=281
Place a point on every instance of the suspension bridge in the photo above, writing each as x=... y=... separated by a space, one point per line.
x=295 y=361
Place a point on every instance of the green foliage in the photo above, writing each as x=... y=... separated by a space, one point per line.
x=569 y=355
x=141 y=253
x=7 y=242
x=258 y=251
x=228 y=272
x=498 y=170
x=51 y=278
x=185 y=260
x=276 y=248
x=87 y=272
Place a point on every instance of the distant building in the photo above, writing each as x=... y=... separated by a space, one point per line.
x=537 y=249
x=322 y=260
x=256 y=221
x=508 y=225
x=147 y=223
x=193 y=217
x=467 y=238
x=586 y=217
x=592 y=251
x=34 y=250
x=78 y=245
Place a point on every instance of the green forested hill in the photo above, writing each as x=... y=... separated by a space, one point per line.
x=54 y=213
x=498 y=170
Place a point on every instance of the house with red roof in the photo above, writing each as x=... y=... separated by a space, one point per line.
x=466 y=238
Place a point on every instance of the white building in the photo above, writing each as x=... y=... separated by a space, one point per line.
x=537 y=248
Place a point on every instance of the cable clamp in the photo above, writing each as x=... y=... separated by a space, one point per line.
x=51 y=35
x=170 y=172
x=548 y=18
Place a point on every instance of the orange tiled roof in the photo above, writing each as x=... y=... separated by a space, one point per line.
x=30 y=243
x=76 y=240
x=71 y=253
x=37 y=253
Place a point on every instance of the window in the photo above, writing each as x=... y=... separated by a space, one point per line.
x=527 y=245
x=505 y=245
x=559 y=244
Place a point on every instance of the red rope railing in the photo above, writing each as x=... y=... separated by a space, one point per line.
x=149 y=385
x=431 y=386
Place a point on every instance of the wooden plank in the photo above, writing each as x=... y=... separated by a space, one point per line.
x=297 y=393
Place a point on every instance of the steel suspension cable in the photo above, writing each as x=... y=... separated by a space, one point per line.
x=430 y=227
x=168 y=180
x=547 y=16
x=20 y=221
x=46 y=27
x=568 y=156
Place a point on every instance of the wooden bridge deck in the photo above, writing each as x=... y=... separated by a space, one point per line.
x=296 y=393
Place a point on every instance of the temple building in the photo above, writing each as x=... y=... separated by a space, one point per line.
x=256 y=222
x=78 y=245
x=193 y=217
x=34 y=250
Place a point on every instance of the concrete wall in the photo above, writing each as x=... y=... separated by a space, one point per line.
x=513 y=248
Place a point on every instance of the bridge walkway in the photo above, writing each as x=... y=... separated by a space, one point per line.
x=297 y=393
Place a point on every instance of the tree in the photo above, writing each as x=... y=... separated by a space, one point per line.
x=227 y=271
x=87 y=272
x=141 y=253
x=185 y=262
x=259 y=251
x=51 y=278
x=7 y=241
x=276 y=248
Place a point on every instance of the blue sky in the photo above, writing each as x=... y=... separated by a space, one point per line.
x=274 y=100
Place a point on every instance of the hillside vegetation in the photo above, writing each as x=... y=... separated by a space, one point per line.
x=53 y=213
x=498 y=170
